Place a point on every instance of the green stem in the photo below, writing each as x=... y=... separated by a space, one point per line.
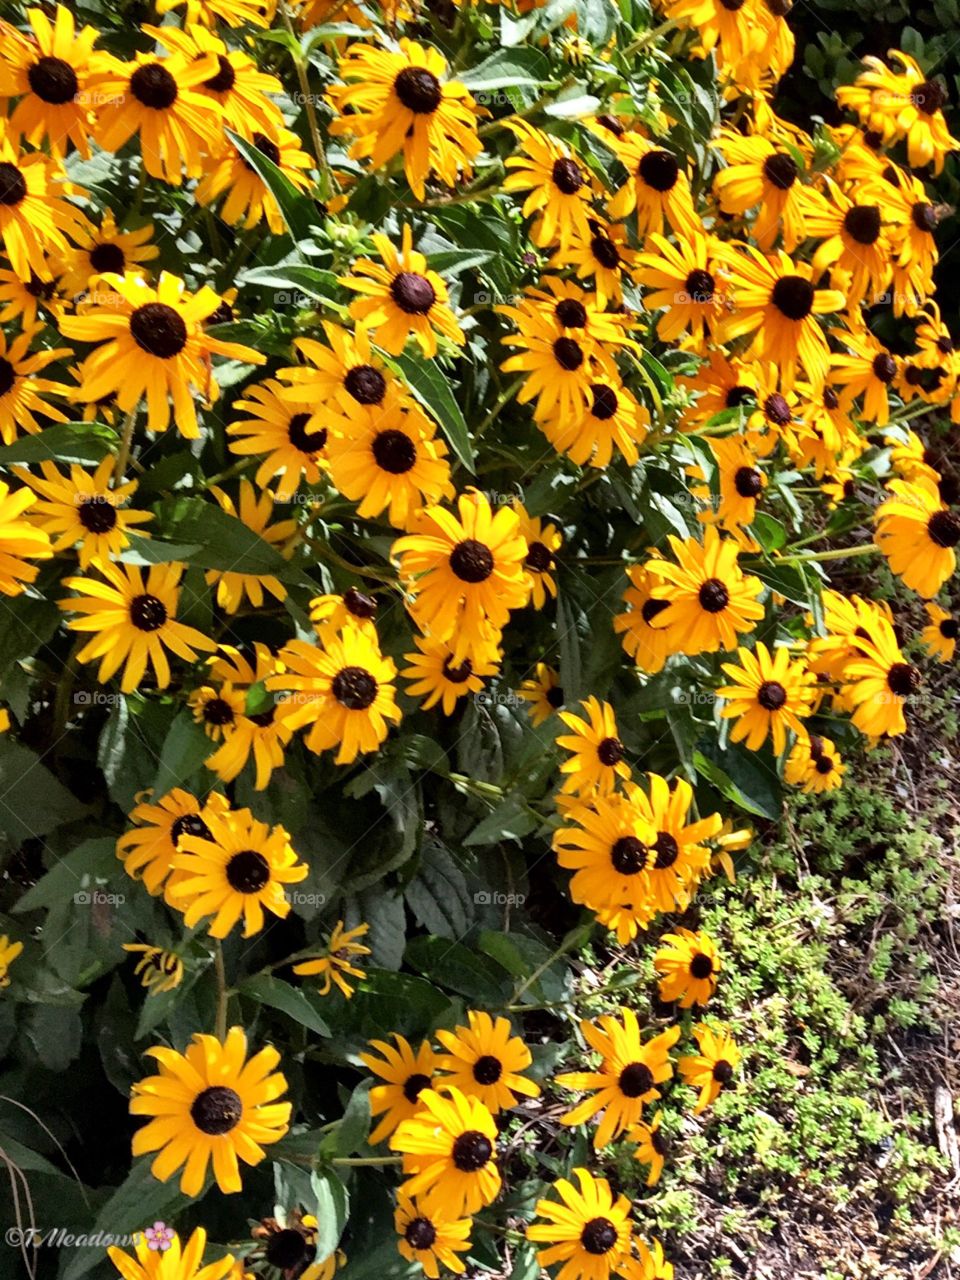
x=502 y=401
x=222 y=991
x=328 y=181
x=838 y=553
x=649 y=37
x=573 y=939
x=366 y=1161
x=126 y=442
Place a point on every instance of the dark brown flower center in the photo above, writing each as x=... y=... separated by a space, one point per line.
x=902 y=679
x=885 y=367
x=147 y=613
x=471 y=561
x=610 y=752
x=359 y=604
x=413 y=293
x=420 y=1233
x=949 y=628
x=354 y=688
x=419 y=90
x=944 y=528
x=945 y=345
x=459 y=674
x=216 y=1110
x=414 y=1085
x=815 y=746
x=665 y=850
x=823 y=764
x=700 y=286
x=831 y=400
x=734 y=6
x=862 y=223
x=713 y=596
x=286 y=1249
x=928 y=97
x=793 y=297
x=539 y=558
x=771 y=695
x=394 y=452
x=53 y=80
x=737 y=396
x=189 y=824
x=748 y=482
x=97 y=514
x=598 y=1236
x=650 y=608
x=777 y=410
x=628 y=855
x=636 y=1080
x=302 y=439
x=153 y=86
x=570 y=313
x=567 y=177
x=555 y=697
x=266 y=146
x=225 y=78
x=471 y=1151
x=487 y=1069
x=925 y=217
x=605 y=402
x=158 y=330
x=13 y=185
x=605 y=252
x=723 y=1071
x=366 y=384
x=701 y=966
x=780 y=170
x=248 y=871
x=568 y=354
x=107 y=257
x=217 y=711
x=659 y=170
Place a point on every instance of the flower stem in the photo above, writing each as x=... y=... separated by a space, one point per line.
x=126 y=441
x=837 y=553
x=223 y=994
x=329 y=182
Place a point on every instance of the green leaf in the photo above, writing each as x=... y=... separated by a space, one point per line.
x=458 y=968
x=456 y=260
x=92 y=862
x=297 y=210
x=314 y=281
x=510 y=820
x=438 y=895
x=332 y=1210
x=63 y=442
x=354 y=1127
x=185 y=748
x=431 y=388
x=507 y=67
x=746 y=778
x=292 y=1001
x=223 y=541
x=32 y=801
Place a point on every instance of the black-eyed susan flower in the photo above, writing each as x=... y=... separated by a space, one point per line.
x=855 y=238
x=587 y=1229
x=598 y=756
x=80 y=509
x=157 y=969
x=465 y=573
x=740 y=480
x=291 y=437
x=775 y=299
x=560 y=369
x=647 y=645
x=918 y=533
x=147 y=850
x=337 y=964
x=30 y=300
x=235 y=13
x=134 y=621
x=719 y=385
x=713 y=1067
x=626 y=1078
x=710 y=600
x=8 y=953
x=173 y=1259
x=603 y=254
x=689 y=967
x=253 y=510
x=249 y=201
x=865 y=371
x=559 y=187
x=658 y=189
x=347 y=371
x=388 y=458
x=485 y=1060
x=400 y=296
x=159 y=99
x=406 y=1073
x=34 y=216
x=239 y=86
x=244 y=732
x=543 y=692
x=685 y=282
x=733 y=25
x=651 y=1146
x=941 y=632
x=569 y=311
x=677 y=855
x=400 y=101
x=105 y=248
x=153 y=346
x=354 y=607
x=449 y=1153
x=543 y=540
x=764 y=176
x=49 y=74
x=343 y=689
x=901 y=102
x=436 y=678
x=20 y=541
x=769 y=695
x=606 y=843
x=878 y=681
x=612 y=419
x=216 y=709
x=235 y=872
x=23 y=395
x=815 y=765
x=429 y=1236
x=210 y=1105
x=649 y=1264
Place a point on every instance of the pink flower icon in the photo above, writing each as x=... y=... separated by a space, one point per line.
x=159 y=1237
